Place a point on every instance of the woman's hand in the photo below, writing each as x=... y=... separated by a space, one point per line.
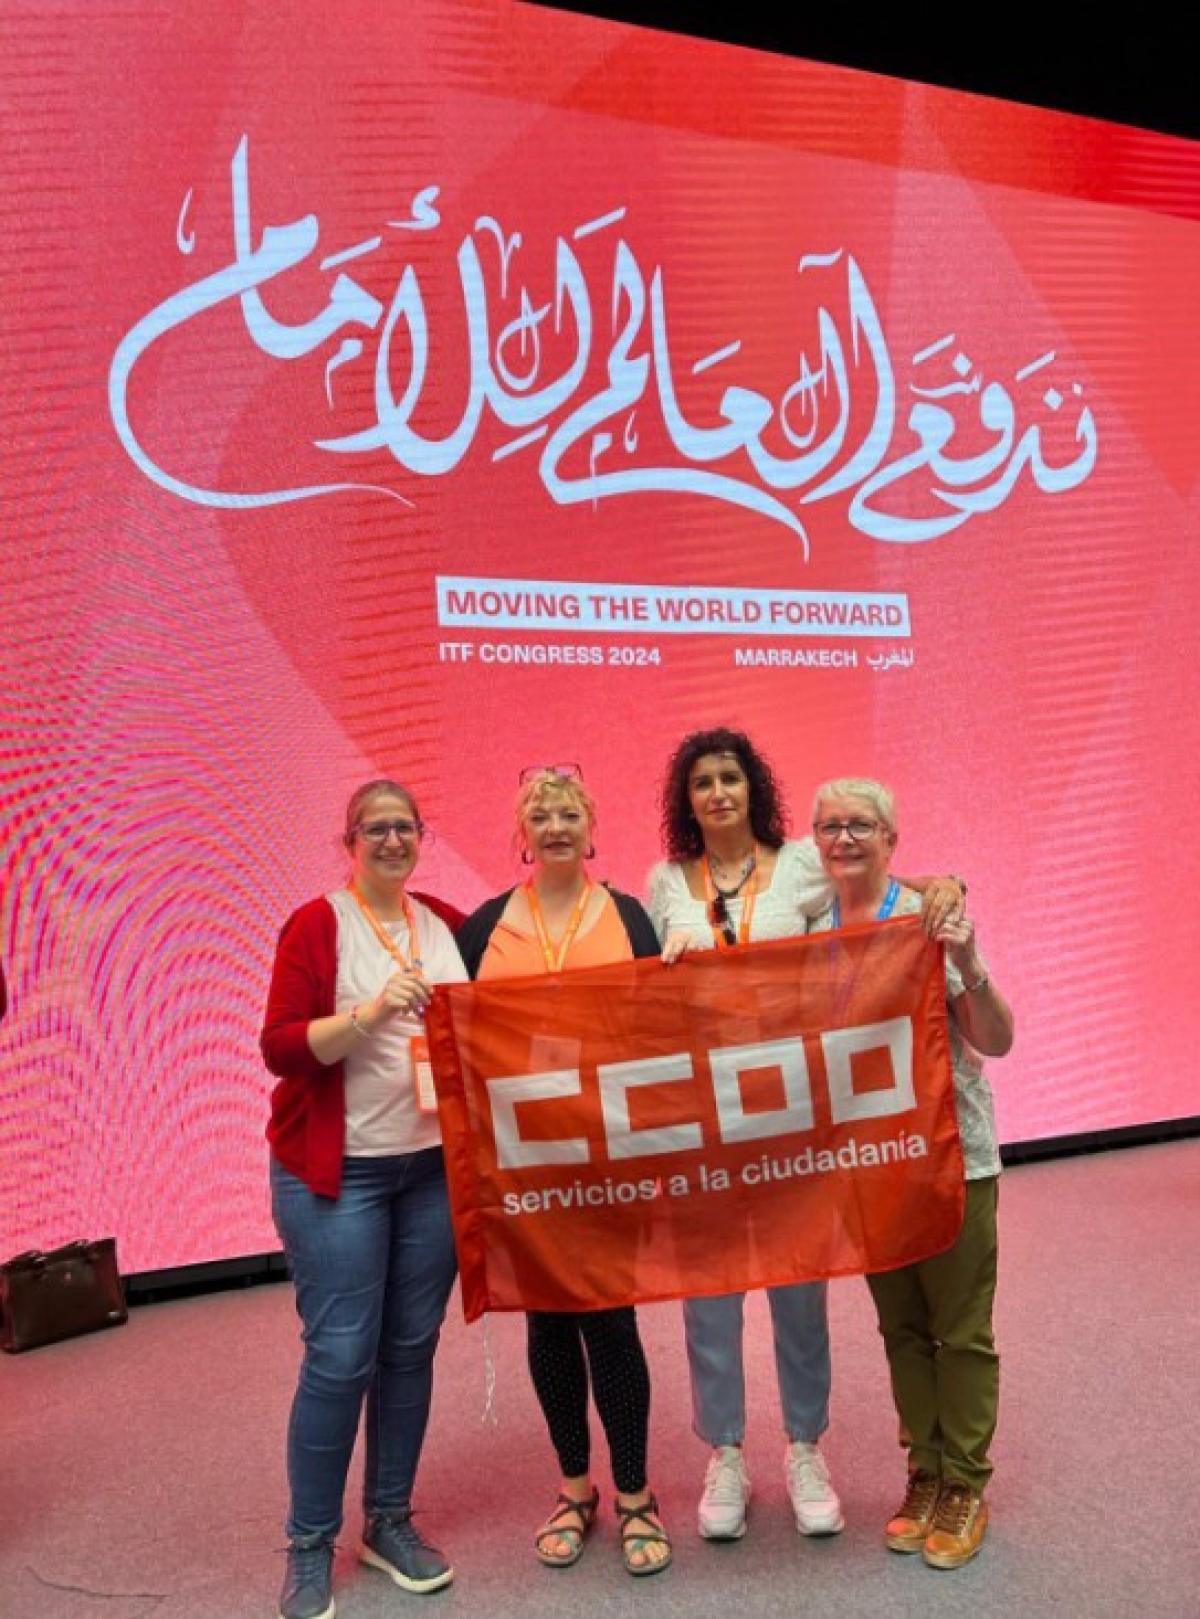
x=981 y=1012
x=942 y=901
x=406 y=994
x=957 y=933
x=678 y=942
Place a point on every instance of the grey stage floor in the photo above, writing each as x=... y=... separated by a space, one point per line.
x=140 y=1470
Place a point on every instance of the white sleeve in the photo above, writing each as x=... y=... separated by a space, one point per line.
x=658 y=898
x=809 y=888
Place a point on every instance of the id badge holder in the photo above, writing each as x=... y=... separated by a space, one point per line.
x=418 y=1050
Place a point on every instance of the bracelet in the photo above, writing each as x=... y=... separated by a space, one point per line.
x=363 y=1034
x=980 y=983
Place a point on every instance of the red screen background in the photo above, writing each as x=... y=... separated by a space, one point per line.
x=194 y=679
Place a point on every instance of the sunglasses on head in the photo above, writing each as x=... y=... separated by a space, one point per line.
x=720 y=920
x=567 y=772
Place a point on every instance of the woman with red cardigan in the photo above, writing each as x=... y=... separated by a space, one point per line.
x=359 y=1196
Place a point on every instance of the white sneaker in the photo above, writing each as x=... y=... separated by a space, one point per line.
x=814 y=1499
x=726 y=1495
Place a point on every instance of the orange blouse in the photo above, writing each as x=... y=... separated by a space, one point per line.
x=512 y=953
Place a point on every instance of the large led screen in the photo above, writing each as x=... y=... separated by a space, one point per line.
x=434 y=389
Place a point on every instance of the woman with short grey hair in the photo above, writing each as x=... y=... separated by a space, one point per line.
x=935 y=1316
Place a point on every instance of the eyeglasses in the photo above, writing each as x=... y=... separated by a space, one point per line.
x=719 y=918
x=859 y=829
x=567 y=772
x=377 y=831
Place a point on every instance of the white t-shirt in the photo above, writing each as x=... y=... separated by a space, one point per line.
x=382 y=1115
x=799 y=889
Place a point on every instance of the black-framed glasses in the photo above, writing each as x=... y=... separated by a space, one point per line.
x=859 y=828
x=378 y=831
x=567 y=772
x=720 y=919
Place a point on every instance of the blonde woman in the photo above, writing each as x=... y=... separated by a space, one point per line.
x=557 y=920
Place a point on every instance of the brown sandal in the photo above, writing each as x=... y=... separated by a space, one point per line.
x=636 y=1540
x=555 y=1528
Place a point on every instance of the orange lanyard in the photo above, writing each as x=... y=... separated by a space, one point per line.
x=554 y=960
x=748 y=894
x=385 y=938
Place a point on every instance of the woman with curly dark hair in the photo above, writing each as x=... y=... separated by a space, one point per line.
x=732 y=875
x=682 y=837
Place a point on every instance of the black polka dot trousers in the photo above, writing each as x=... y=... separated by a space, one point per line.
x=563 y=1349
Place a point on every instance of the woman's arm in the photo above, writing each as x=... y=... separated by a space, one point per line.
x=472 y=937
x=331 y=1039
x=981 y=1012
x=303 y=983
x=941 y=897
x=675 y=940
x=302 y=1034
x=643 y=939
x=658 y=899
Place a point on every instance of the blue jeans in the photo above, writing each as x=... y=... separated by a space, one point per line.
x=373 y=1269
x=714 y=1346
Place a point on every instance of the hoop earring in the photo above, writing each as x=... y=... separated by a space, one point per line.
x=526 y=858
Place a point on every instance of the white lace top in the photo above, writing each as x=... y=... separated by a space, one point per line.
x=799 y=889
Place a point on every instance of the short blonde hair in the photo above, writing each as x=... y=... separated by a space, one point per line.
x=881 y=799
x=550 y=784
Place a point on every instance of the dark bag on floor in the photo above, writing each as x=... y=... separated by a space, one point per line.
x=45 y=1297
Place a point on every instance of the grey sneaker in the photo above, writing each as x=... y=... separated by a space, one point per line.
x=391 y=1543
x=308 y=1584
x=814 y=1499
x=726 y=1495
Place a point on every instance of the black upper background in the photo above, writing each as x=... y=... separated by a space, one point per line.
x=1077 y=59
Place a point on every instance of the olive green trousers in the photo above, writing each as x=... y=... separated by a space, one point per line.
x=936 y=1321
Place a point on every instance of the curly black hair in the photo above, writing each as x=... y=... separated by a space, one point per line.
x=768 y=813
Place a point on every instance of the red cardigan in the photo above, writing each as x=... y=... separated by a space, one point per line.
x=307 y=1128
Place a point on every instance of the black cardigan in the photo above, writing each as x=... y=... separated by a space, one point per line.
x=473 y=936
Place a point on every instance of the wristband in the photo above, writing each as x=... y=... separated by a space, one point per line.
x=363 y=1034
x=980 y=983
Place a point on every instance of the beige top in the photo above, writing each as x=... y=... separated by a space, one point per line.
x=382 y=1116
